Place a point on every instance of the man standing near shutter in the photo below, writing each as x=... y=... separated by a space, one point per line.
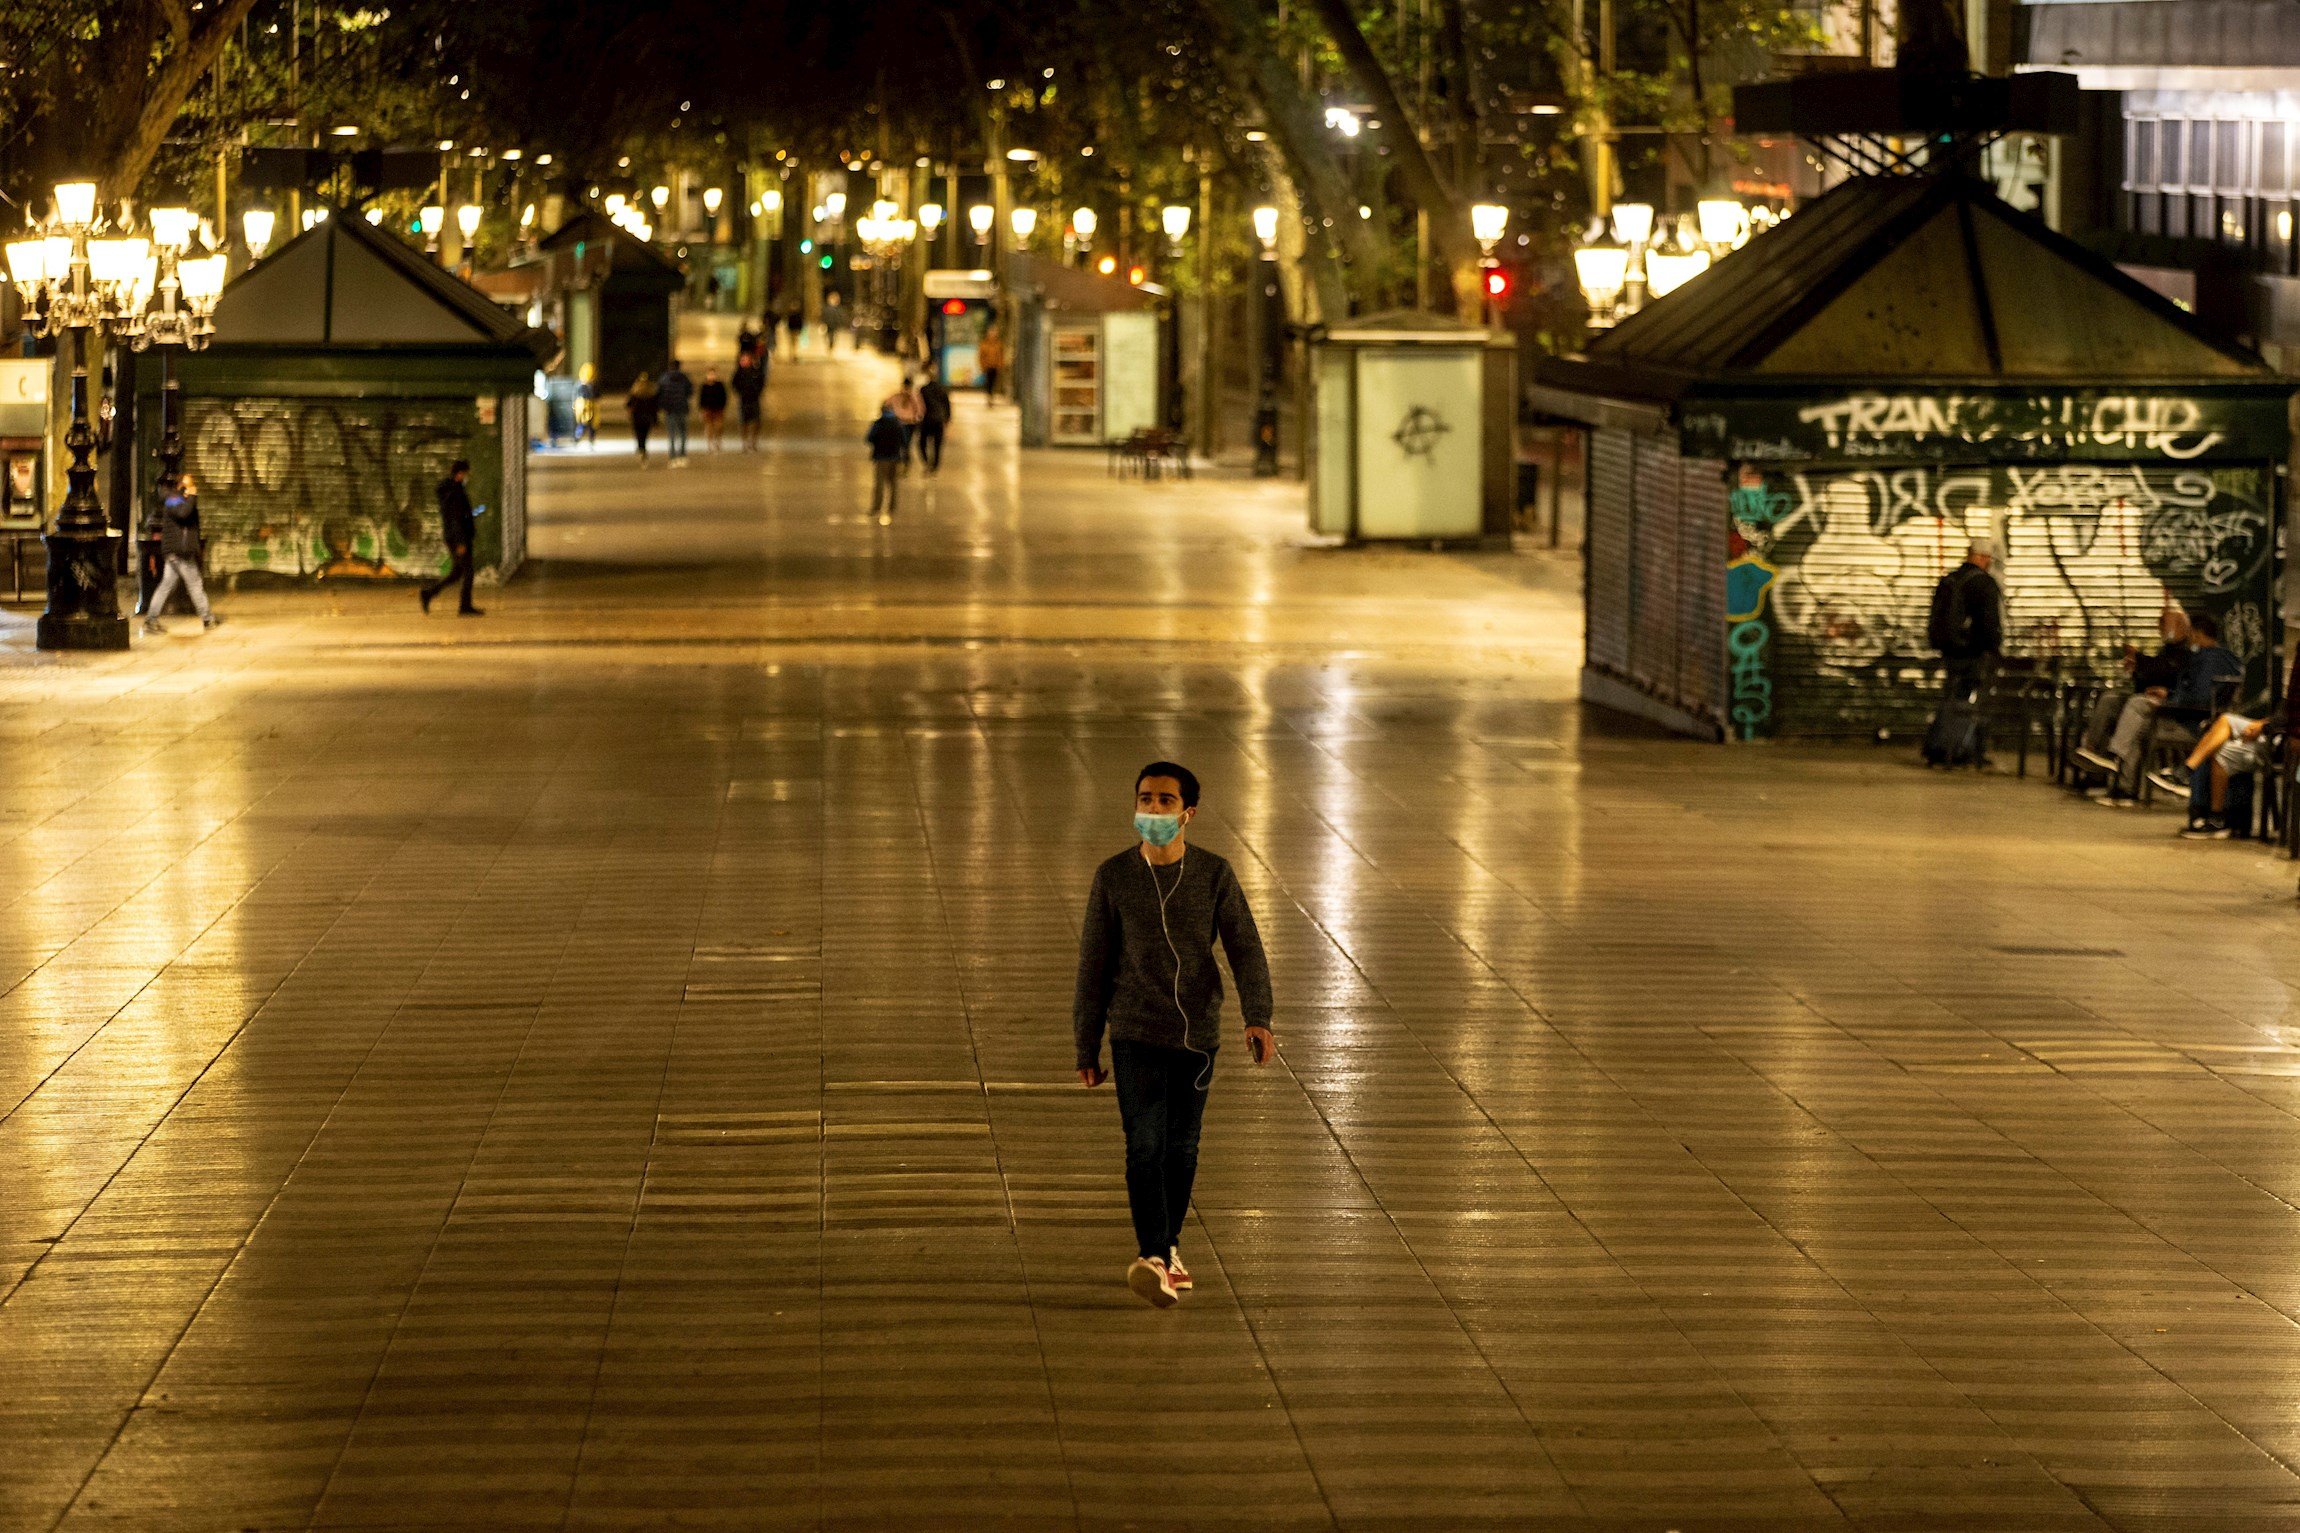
x=1968 y=625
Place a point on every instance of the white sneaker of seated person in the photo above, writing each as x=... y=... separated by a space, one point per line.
x=2095 y=759
x=1148 y=1278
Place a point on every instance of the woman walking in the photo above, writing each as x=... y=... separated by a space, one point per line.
x=646 y=408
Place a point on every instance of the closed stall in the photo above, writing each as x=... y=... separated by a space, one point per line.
x=347 y=373
x=1789 y=451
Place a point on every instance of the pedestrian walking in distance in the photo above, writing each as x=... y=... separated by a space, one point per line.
x=910 y=411
x=711 y=399
x=934 y=416
x=750 y=389
x=1146 y=976
x=885 y=438
x=644 y=406
x=180 y=549
x=676 y=391
x=457 y=522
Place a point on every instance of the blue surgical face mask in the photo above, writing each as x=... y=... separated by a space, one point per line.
x=1158 y=829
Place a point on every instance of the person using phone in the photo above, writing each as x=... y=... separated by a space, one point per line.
x=1146 y=976
x=458 y=524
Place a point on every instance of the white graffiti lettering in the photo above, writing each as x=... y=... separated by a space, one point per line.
x=1870 y=424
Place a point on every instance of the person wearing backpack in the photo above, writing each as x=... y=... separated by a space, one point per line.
x=1967 y=627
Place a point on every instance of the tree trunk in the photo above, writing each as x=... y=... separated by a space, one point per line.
x=1350 y=262
x=162 y=95
x=1449 y=216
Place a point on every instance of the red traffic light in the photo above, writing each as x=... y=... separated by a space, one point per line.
x=954 y=306
x=1497 y=284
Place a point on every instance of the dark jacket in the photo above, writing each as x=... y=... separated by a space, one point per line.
x=1968 y=614
x=2208 y=666
x=2161 y=669
x=674 y=391
x=885 y=438
x=455 y=521
x=180 y=527
x=750 y=382
x=936 y=398
x=712 y=397
x=1153 y=981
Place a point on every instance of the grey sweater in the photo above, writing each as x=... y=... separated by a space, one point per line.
x=1134 y=985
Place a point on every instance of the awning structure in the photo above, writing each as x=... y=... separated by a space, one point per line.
x=345 y=285
x=2006 y=338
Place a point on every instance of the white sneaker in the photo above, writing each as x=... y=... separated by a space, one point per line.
x=2095 y=759
x=1176 y=1273
x=1147 y=1277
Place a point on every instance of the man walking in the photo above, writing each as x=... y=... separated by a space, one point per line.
x=934 y=415
x=885 y=438
x=1146 y=976
x=457 y=522
x=1967 y=626
x=180 y=548
x=675 y=392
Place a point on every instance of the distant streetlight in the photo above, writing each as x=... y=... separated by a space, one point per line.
x=1025 y=221
x=467 y=220
x=616 y=203
x=256 y=226
x=431 y=220
x=1489 y=221
x=930 y=216
x=771 y=201
x=982 y=215
x=1633 y=222
x=712 y=197
x=835 y=206
x=1174 y=218
x=661 y=197
x=1083 y=223
x=1266 y=227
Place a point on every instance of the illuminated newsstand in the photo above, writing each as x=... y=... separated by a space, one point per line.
x=1789 y=451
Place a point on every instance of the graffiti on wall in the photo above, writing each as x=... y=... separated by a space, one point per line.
x=1755 y=509
x=1983 y=426
x=324 y=489
x=1830 y=572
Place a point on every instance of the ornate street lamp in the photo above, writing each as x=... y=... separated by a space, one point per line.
x=180 y=317
x=257 y=224
x=1025 y=221
x=74 y=284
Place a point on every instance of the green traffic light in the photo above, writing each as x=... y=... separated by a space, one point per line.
x=826 y=263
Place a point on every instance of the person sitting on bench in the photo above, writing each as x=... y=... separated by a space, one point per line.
x=2207 y=665
x=2218 y=774
x=2153 y=678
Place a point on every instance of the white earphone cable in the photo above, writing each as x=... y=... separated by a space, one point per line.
x=1164 y=894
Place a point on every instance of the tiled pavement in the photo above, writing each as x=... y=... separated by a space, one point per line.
x=607 y=1065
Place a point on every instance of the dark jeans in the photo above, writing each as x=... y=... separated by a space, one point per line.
x=461 y=571
x=1161 y=1105
x=675 y=433
x=1968 y=678
x=2237 y=815
x=930 y=443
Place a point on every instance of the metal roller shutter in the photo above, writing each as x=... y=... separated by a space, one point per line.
x=1610 y=519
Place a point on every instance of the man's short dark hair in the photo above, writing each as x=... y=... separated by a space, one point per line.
x=459 y=466
x=1181 y=774
x=2206 y=624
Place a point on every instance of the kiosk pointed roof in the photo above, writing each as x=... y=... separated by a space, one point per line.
x=346 y=283
x=1908 y=279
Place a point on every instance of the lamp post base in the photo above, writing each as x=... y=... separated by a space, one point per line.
x=83 y=596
